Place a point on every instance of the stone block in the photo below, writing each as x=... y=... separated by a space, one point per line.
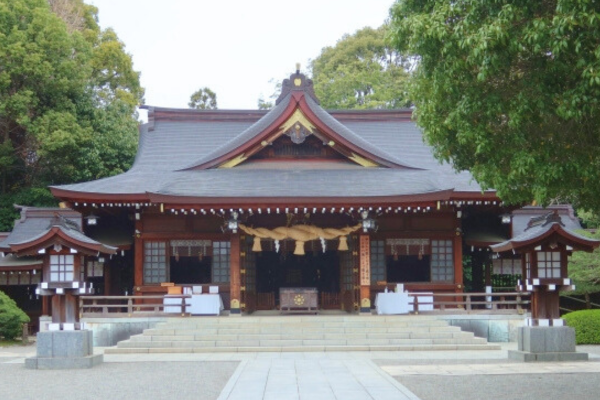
x=560 y=339
x=498 y=331
x=45 y=344
x=64 y=362
x=542 y=339
x=532 y=339
x=64 y=350
x=72 y=343
x=546 y=357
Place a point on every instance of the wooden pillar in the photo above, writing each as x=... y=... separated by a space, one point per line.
x=45 y=308
x=235 y=276
x=57 y=309
x=65 y=308
x=545 y=304
x=138 y=269
x=107 y=280
x=365 y=273
x=458 y=267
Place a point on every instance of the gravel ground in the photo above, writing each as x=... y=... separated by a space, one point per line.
x=113 y=381
x=504 y=387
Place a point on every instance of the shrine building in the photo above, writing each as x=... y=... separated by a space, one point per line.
x=346 y=203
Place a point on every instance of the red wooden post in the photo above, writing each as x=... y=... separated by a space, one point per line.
x=235 y=275
x=365 y=273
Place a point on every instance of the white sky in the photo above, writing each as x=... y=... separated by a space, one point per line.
x=234 y=47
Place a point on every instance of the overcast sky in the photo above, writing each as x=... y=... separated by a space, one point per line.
x=234 y=47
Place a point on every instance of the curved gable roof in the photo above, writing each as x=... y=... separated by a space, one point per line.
x=40 y=228
x=542 y=233
x=299 y=97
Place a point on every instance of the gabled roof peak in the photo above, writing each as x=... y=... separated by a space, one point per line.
x=297 y=82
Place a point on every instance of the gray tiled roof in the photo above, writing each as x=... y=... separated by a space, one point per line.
x=32 y=227
x=521 y=217
x=351 y=136
x=245 y=135
x=12 y=261
x=301 y=183
x=168 y=151
x=538 y=231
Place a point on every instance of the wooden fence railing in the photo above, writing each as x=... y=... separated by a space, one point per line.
x=130 y=306
x=516 y=301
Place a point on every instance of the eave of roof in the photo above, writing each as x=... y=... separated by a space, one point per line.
x=542 y=234
x=57 y=234
x=402 y=200
x=14 y=263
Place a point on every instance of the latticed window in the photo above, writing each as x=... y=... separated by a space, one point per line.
x=378 y=262
x=95 y=269
x=155 y=262
x=442 y=261
x=507 y=266
x=548 y=263
x=62 y=268
x=221 y=262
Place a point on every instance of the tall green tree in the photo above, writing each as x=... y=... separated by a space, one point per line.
x=203 y=99
x=361 y=71
x=510 y=90
x=68 y=94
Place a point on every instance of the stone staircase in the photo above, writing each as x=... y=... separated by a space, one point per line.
x=301 y=333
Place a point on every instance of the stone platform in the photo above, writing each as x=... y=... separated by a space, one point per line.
x=546 y=343
x=301 y=333
x=64 y=350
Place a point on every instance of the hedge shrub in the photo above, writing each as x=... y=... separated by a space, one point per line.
x=12 y=318
x=586 y=324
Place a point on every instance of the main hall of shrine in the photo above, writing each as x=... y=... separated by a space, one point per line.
x=253 y=201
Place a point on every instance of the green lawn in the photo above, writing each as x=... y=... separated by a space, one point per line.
x=8 y=343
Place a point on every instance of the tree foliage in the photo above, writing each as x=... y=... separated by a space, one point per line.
x=361 y=71
x=510 y=90
x=584 y=268
x=68 y=94
x=203 y=99
x=12 y=318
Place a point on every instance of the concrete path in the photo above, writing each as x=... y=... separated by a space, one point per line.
x=319 y=379
x=303 y=375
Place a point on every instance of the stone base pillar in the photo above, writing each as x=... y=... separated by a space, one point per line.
x=64 y=350
x=546 y=343
x=234 y=309
x=365 y=306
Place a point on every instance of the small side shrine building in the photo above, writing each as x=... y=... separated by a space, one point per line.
x=544 y=247
x=344 y=202
x=47 y=247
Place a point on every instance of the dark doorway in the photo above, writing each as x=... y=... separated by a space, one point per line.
x=314 y=269
x=408 y=268
x=190 y=270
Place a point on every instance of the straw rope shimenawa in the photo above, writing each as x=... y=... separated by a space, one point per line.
x=301 y=234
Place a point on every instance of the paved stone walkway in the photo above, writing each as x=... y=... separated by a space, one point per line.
x=290 y=376
x=324 y=379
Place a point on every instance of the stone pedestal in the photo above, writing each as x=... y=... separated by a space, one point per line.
x=546 y=343
x=64 y=350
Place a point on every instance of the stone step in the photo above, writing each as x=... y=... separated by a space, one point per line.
x=321 y=333
x=227 y=322
x=281 y=349
x=297 y=343
x=147 y=337
x=268 y=330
